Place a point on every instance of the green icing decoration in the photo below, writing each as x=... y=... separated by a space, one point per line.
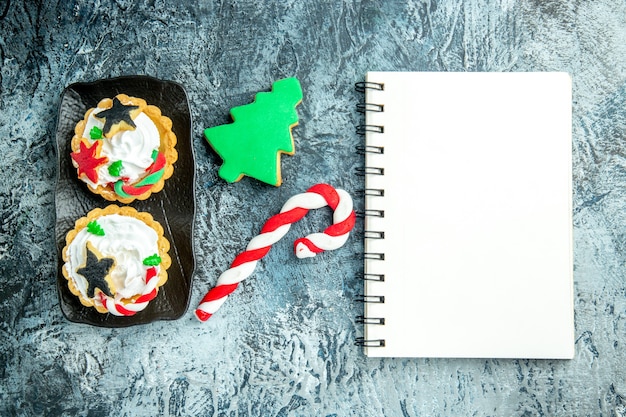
x=94 y=228
x=95 y=133
x=115 y=168
x=153 y=260
x=260 y=131
x=155 y=153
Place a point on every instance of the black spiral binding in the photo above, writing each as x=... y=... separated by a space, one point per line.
x=362 y=150
x=363 y=129
x=361 y=86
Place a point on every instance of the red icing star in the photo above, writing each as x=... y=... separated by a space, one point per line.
x=87 y=160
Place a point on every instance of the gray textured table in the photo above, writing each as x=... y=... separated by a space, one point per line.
x=283 y=345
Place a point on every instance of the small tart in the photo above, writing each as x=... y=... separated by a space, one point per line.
x=116 y=259
x=124 y=149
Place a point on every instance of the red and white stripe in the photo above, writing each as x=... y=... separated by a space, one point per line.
x=128 y=309
x=274 y=229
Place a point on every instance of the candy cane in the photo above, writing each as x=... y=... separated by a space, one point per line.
x=153 y=175
x=148 y=294
x=274 y=229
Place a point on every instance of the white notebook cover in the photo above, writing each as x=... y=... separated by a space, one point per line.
x=477 y=215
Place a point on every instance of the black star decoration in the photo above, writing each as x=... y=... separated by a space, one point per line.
x=95 y=272
x=119 y=113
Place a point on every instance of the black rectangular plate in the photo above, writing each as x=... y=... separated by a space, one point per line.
x=173 y=207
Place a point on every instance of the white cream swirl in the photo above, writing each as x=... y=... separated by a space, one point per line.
x=133 y=147
x=127 y=240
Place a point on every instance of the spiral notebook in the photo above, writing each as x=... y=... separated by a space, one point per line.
x=468 y=241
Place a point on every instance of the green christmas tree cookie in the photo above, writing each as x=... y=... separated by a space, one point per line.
x=260 y=132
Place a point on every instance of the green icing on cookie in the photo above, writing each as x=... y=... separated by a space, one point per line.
x=260 y=131
x=152 y=260
x=95 y=133
x=94 y=228
x=115 y=168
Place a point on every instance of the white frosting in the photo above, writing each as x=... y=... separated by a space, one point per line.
x=127 y=240
x=133 y=147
